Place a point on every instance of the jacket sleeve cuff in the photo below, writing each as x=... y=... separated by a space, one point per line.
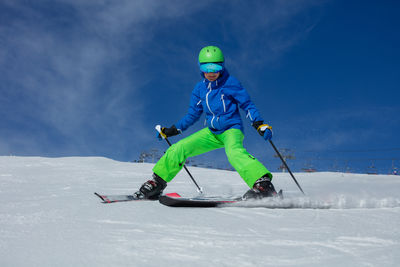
x=179 y=127
x=257 y=124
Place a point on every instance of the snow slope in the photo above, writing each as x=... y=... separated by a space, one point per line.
x=50 y=217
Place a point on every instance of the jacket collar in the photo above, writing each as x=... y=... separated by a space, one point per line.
x=217 y=83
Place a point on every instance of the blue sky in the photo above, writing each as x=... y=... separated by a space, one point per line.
x=93 y=78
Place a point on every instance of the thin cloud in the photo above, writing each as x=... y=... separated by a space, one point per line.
x=338 y=128
x=71 y=72
x=273 y=26
x=76 y=68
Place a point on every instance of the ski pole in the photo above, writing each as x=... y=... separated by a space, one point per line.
x=158 y=128
x=286 y=166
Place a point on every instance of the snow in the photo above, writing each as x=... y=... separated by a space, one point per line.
x=50 y=217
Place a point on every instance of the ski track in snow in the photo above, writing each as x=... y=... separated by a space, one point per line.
x=50 y=217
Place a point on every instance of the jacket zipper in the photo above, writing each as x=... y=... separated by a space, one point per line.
x=208 y=105
x=223 y=102
x=249 y=115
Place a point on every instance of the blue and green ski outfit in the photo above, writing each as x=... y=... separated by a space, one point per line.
x=220 y=100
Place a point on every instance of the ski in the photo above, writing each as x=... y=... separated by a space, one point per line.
x=276 y=202
x=116 y=198
x=106 y=199
x=203 y=202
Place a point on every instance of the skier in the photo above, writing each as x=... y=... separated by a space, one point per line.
x=220 y=96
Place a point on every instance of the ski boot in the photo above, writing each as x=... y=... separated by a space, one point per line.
x=262 y=188
x=152 y=189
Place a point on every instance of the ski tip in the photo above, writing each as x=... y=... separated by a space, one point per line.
x=101 y=197
x=173 y=195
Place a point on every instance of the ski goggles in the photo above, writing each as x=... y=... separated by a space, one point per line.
x=212 y=67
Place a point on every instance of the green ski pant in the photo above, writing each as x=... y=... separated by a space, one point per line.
x=248 y=167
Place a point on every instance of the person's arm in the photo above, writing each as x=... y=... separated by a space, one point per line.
x=194 y=112
x=245 y=103
x=243 y=99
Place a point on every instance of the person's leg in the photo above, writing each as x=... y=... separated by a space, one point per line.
x=248 y=167
x=172 y=162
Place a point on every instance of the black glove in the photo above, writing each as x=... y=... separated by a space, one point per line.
x=263 y=129
x=168 y=132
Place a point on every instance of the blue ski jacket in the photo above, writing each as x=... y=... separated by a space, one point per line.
x=220 y=100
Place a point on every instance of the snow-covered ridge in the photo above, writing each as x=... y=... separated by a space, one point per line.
x=50 y=217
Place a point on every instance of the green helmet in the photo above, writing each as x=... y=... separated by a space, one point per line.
x=210 y=54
